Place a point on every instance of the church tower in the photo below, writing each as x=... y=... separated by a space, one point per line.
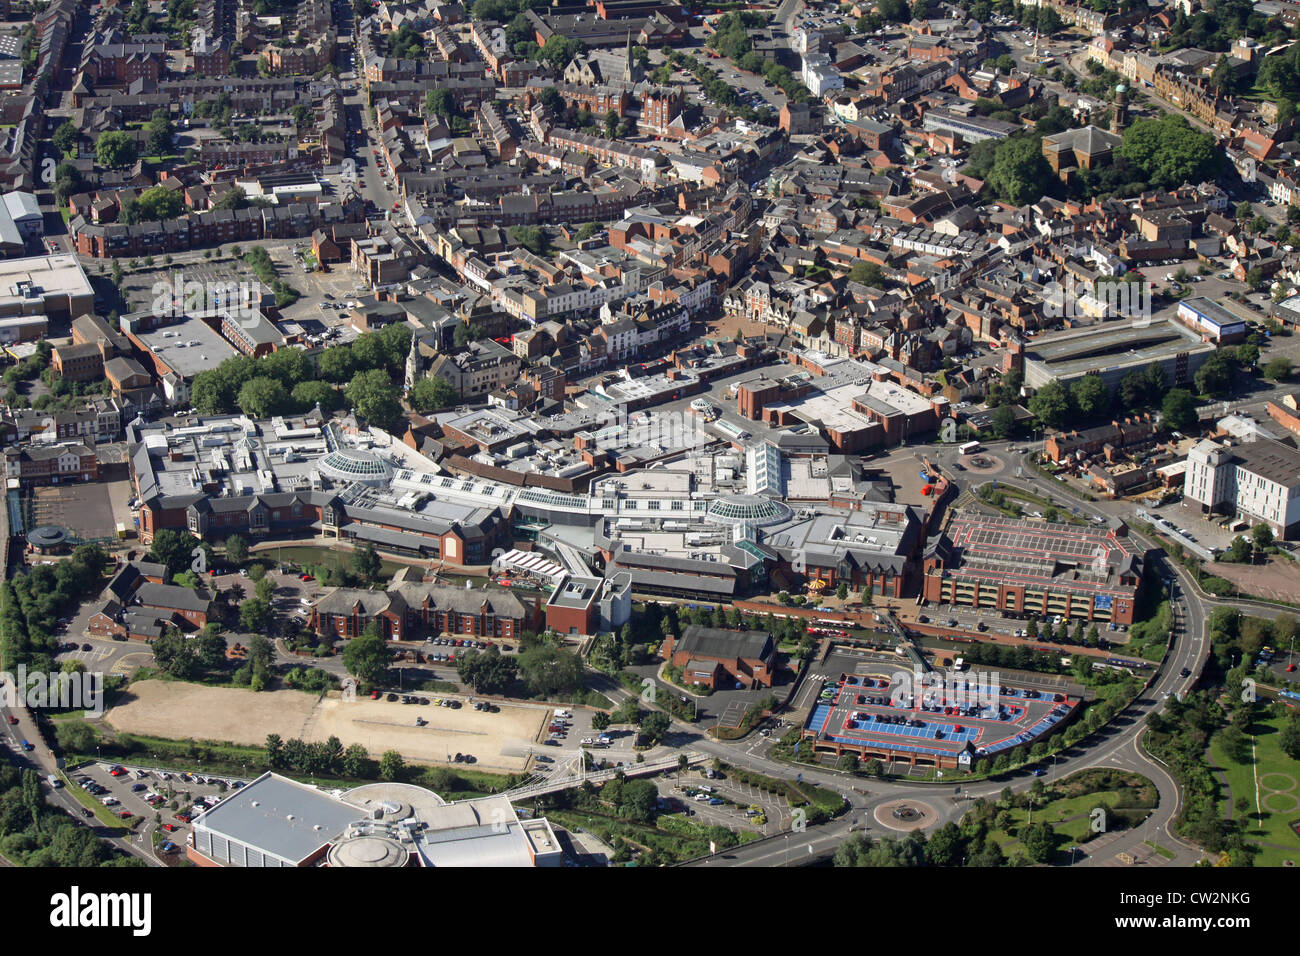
x=631 y=71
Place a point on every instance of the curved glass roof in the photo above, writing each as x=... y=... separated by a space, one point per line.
x=751 y=509
x=349 y=464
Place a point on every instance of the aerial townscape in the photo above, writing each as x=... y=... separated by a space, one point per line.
x=647 y=433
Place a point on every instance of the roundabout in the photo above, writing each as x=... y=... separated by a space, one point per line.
x=905 y=815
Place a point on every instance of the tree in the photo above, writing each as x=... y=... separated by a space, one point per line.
x=1215 y=376
x=655 y=726
x=868 y=273
x=263 y=398
x=1039 y=841
x=355 y=761
x=1262 y=536
x=432 y=393
x=174 y=655
x=210 y=647
x=158 y=133
x=1133 y=391
x=366 y=563
x=1003 y=421
x=1239 y=551
x=307 y=395
x=1222 y=79
x=599 y=720
x=441 y=102
x=548 y=671
x=1020 y=174
x=65 y=137
x=488 y=672
x=1051 y=404
x=337 y=364
x=173 y=548
x=1169 y=152
x=391 y=766
x=1179 y=409
x=1090 y=396
x=366 y=656
x=1278 y=369
x=115 y=149
x=1289 y=738
x=375 y=398
x=532 y=238
x=236 y=549
x=255 y=615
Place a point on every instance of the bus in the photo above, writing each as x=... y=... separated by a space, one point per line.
x=969 y=447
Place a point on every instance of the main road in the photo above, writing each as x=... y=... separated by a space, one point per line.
x=1118 y=746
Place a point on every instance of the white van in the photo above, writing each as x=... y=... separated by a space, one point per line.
x=564 y=715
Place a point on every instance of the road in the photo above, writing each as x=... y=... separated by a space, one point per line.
x=1118 y=746
x=139 y=843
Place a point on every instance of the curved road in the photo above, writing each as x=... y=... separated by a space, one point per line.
x=1118 y=745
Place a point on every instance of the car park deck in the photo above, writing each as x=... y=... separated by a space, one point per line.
x=890 y=715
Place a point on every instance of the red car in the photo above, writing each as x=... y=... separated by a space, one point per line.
x=13 y=719
x=117 y=772
x=170 y=827
x=1289 y=669
x=125 y=814
x=374 y=695
x=183 y=817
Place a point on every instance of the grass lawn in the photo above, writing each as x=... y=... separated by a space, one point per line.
x=1071 y=817
x=338 y=560
x=1271 y=782
x=1160 y=850
x=1038 y=503
x=1069 y=806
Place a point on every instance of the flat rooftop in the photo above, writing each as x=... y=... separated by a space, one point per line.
x=188 y=347
x=576 y=592
x=1041 y=553
x=1113 y=345
x=49 y=276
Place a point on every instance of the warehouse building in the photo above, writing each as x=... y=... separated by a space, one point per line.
x=1211 y=320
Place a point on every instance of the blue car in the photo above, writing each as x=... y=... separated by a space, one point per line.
x=1038 y=771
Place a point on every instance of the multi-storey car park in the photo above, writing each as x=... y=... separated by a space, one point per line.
x=884 y=712
x=1035 y=568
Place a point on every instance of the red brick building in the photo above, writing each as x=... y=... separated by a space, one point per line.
x=414 y=611
x=714 y=657
x=51 y=464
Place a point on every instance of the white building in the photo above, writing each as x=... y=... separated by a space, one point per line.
x=820 y=75
x=1257 y=480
